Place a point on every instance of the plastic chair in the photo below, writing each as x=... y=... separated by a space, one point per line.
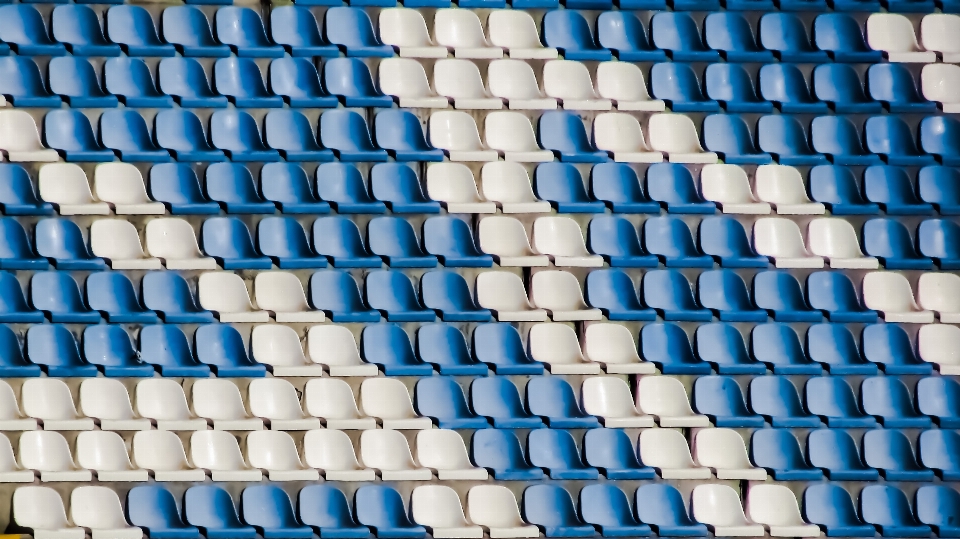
x=442 y=400
x=786 y=35
x=41 y=510
x=890 y=241
x=569 y=33
x=836 y=188
x=121 y=185
x=556 y=403
x=938 y=292
x=618 y=186
x=889 y=346
x=498 y=400
x=231 y=185
x=187 y=28
x=155 y=509
x=937 y=136
x=559 y=293
x=775 y=506
x=937 y=452
x=162 y=453
x=237 y=134
x=611 y=451
x=779 y=452
x=677 y=85
x=269 y=510
x=570 y=83
x=831 y=508
x=350 y=79
x=779 y=347
x=718 y=506
x=730 y=137
x=382 y=509
x=508 y=186
x=132 y=28
x=661 y=506
x=211 y=509
x=724 y=292
x=677 y=33
x=500 y=347
x=287 y=186
x=66 y=186
x=839 y=85
x=614 y=293
x=285 y=242
x=445 y=347
x=836 y=453
x=298 y=82
x=388 y=452
x=516 y=32
x=785 y=138
x=398 y=186
x=167 y=350
x=113 y=295
x=351 y=30
x=779 y=293
x=182 y=134
x=240 y=80
x=500 y=453
x=722 y=346
x=723 y=450
x=777 y=400
x=16 y=252
x=724 y=238
x=346 y=133
x=514 y=82
x=832 y=345
x=22 y=84
x=448 y=293
x=564 y=134
x=892 y=190
x=78 y=28
x=893 y=34
x=668 y=291
x=406 y=80
x=438 y=509
x=296 y=29
x=279 y=346
x=57 y=294
x=76 y=82
x=228 y=240
x=895 y=86
x=337 y=294
x=667 y=400
x=126 y=133
x=400 y=133
x=889 y=401
x=334 y=401
x=394 y=240
x=326 y=510
x=785 y=85
x=556 y=452
x=670 y=240
x=892 y=453
x=609 y=399
x=623 y=83
x=840 y=36
x=406 y=31
x=388 y=346
x=834 y=294
x=893 y=139
x=934 y=506
x=27 y=32
x=551 y=509
x=832 y=399
x=676 y=136
x=444 y=451
x=339 y=239
x=62 y=242
x=67 y=131
x=221 y=347
x=459 y=81
x=242 y=29
x=781 y=240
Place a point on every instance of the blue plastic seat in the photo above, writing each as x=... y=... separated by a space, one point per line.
x=336 y=293
x=169 y=294
x=350 y=79
x=345 y=131
x=731 y=34
x=452 y=242
x=668 y=291
x=445 y=347
x=298 y=82
x=837 y=189
x=400 y=133
x=228 y=240
x=500 y=347
x=939 y=398
x=833 y=293
x=721 y=345
x=677 y=85
x=342 y=185
x=551 y=509
x=889 y=346
x=729 y=136
x=54 y=348
x=554 y=400
x=186 y=81
x=724 y=293
x=892 y=453
x=394 y=240
x=242 y=29
x=839 y=85
x=325 y=509
x=285 y=242
x=180 y=132
x=568 y=32
x=887 y=508
x=231 y=185
x=562 y=186
x=831 y=398
x=786 y=35
x=890 y=241
x=624 y=34
x=78 y=27
x=835 y=452
x=222 y=349
x=350 y=29
x=661 y=506
x=62 y=242
x=399 y=188
x=785 y=85
x=75 y=81
x=132 y=28
x=441 y=399
x=840 y=36
x=240 y=80
x=888 y=399
x=13 y=303
x=21 y=83
x=784 y=137
x=177 y=186
x=720 y=398
x=296 y=29
x=617 y=185
x=938 y=239
x=154 y=509
x=555 y=451
x=166 y=348
x=187 y=28
x=131 y=81
x=113 y=295
x=615 y=294
x=672 y=185
x=779 y=293
x=678 y=34
x=498 y=399
x=940 y=451
x=606 y=507
x=268 y=509
x=725 y=240
x=895 y=86
x=126 y=133
x=777 y=400
x=833 y=346
x=667 y=346
x=830 y=507
x=612 y=452
x=778 y=346
x=940 y=136
x=70 y=133
x=939 y=507
x=211 y=509
x=732 y=86
x=447 y=293
x=499 y=451
x=564 y=134
x=392 y=293
x=287 y=186
x=236 y=133
x=12 y=362
x=22 y=29
x=616 y=240
x=15 y=250
x=892 y=138
x=839 y=138
x=779 y=452
x=338 y=238
x=109 y=348
x=670 y=239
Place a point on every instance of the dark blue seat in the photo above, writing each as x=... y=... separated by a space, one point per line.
x=166 y=348
x=338 y=238
x=563 y=133
x=325 y=509
x=346 y=133
x=780 y=294
x=831 y=398
x=392 y=293
x=568 y=32
x=285 y=242
x=606 y=507
x=616 y=240
x=336 y=293
x=154 y=509
x=237 y=134
x=242 y=29
x=661 y=506
x=445 y=347
x=940 y=137
x=180 y=132
x=54 y=348
x=554 y=400
x=939 y=507
x=777 y=400
x=187 y=28
x=835 y=452
x=70 y=133
x=724 y=292
x=786 y=35
x=562 y=185
x=222 y=349
x=555 y=451
x=211 y=509
x=551 y=509
x=399 y=188
x=894 y=85
x=394 y=240
x=298 y=81
x=890 y=241
x=343 y=186
x=667 y=346
x=729 y=136
x=22 y=29
x=938 y=239
x=132 y=82
x=186 y=81
x=677 y=85
x=499 y=451
x=287 y=186
x=842 y=38
x=132 y=28
x=678 y=34
x=448 y=293
x=21 y=83
x=887 y=508
x=726 y=241
x=617 y=185
x=15 y=250
x=785 y=85
x=939 y=398
x=836 y=188
x=75 y=81
x=779 y=452
x=109 y=348
x=784 y=137
x=614 y=293
x=241 y=81
x=498 y=399
x=892 y=453
x=169 y=294
x=624 y=34
x=400 y=133
x=12 y=362
x=668 y=291
x=731 y=85
x=671 y=241
x=231 y=185
x=778 y=346
x=113 y=295
x=731 y=34
x=612 y=452
x=78 y=27
x=177 y=186
x=350 y=29
x=452 y=242
x=721 y=345
x=297 y=30
x=126 y=133
x=62 y=242
x=830 y=507
x=892 y=138
x=228 y=240
x=837 y=137
x=888 y=399
x=720 y=399
x=833 y=293
x=268 y=509
x=833 y=346
x=441 y=398
x=672 y=185
x=500 y=347
x=350 y=80
x=888 y=346
x=940 y=451
x=839 y=85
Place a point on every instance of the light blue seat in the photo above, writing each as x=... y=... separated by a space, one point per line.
x=779 y=293
x=554 y=401
x=400 y=133
x=616 y=240
x=211 y=509
x=268 y=509
x=550 y=508
x=499 y=346
x=837 y=137
x=186 y=81
x=112 y=294
x=661 y=506
x=75 y=81
x=338 y=238
x=562 y=185
x=606 y=507
x=290 y=133
x=231 y=185
x=614 y=293
x=834 y=294
x=892 y=138
x=721 y=345
x=154 y=509
x=78 y=27
x=840 y=36
x=611 y=451
x=62 y=242
x=287 y=186
x=777 y=400
x=126 y=133
x=938 y=239
x=939 y=136
x=177 y=186
x=938 y=507
x=22 y=30
x=786 y=35
x=297 y=30
x=180 y=132
x=830 y=507
x=835 y=452
x=939 y=398
x=672 y=185
x=131 y=81
x=351 y=29
x=499 y=451
x=568 y=32
x=445 y=348
x=666 y=346
x=236 y=133
x=498 y=399
x=891 y=242
x=668 y=291
x=892 y=454
x=15 y=249
x=617 y=185
x=452 y=242
x=939 y=451
x=242 y=29
x=54 y=348
x=109 y=348
x=21 y=83
x=343 y=186
x=888 y=399
x=785 y=85
x=187 y=28
x=285 y=242
x=831 y=398
x=388 y=347
x=720 y=399
x=833 y=346
x=785 y=138
x=624 y=34
x=381 y=508
x=394 y=240
x=678 y=34
x=888 y=346
x=298 y=82
x=325 y=509
x=240 y=80
x=725 y=239
x=70 y=133
x=399 y=188
x=778 y=346
x=729 y=136
x=350 y=80
x=336 y=293
x=887 y=508
x=678 y=86
x=778 y=451
x=731 y=34
x=441 y=398
x=837 y=189
x=169 y=294
x=839 y=85
x=392 y=293
x=346 y=133
x=12 y=362
x=228 y=240
x=564 y=134
x=724 y=292
x=132 y=28
x=166 y=348
x=670 y=239
x=13 y=303
x=732 y=86
x=447 y=293
x=222 y=349
x=895 y=86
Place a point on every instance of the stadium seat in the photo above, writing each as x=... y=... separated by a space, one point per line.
x=67 y=131
x=387 y=451
x=785 y=85
x=406 y=80
x=937 y=452
x=444 y=347
x=451 y=241
x=242 y=29
x=833 y=346
x=617 y=185
x=499 y=451
x=456 y=133
x=61 y=241
x=625 y=35
x=515 y=83
x=557 y=346
x=58 y=296
x=666 y=399
x=890 y=241
x=401 y=134
x=121 y=185
x=836 y=188
x=569 y=33
x=936 y=80
x=893 y=34
x=454 y=187
x=22 y=84
x=555 y=451
x=182 y=134
x=222 y=348
x=723 y=450
x=14 y=365
x=937 y=291
x=112 y=294
x=154 y=509
x=498 y=399
x=667 y=345
x=395 y=241
x=187 y=28
x=285 y=242
x=894 y=85
x=733 y=88
x=936 y=506
x=41 y=511
x=611 y=451
x=889 y=346
x=438 y=508
x=562 y=185
x=350 y=79
x=392 y=405
x=15 y=250
x=236 y=133
x=219 y=402
x=720 y=398
x=728 y=136
x=677 y=85
x=834 y=294
x=615 y=294
x=779 y=452
x=776 y=398
x=173 y=241
x=169 y=294
x=282 y=294
x=661 y=506
x=775 y=506
x=671 y=241
x=676 y=136
x=338 y=296
x=779 y=293
x=731 y=34
x=934 y=346
x=836 y=241
x=781 y=240
x=332 y=451
x=887 y=508
x=722 y=346
x=334 y=401
x=268 y=509
x=892 y=190
x=406 y=31
x=724 y=293
x=211 y=509
x=839 y=85
x=560 y=238
x=835 y=452
x=460 y=82
x=620 y=134
x=444 y=451
x=830 y=507
x=551 y=509
x=78 y=28
x=888 y=399
x=892 y=453
x=339 y=238
x=718 y=506
x=352 y=31
x=895 y=141
x=66 y=186
x=443 y=400
x=76 y=82
x=840 y=36
x=678 y=35
x=231 y=185
x=785 y=139
x=839 y=138
x=511 y=134
x=298 y=82
x=50 y=401
x=162 y=453
x=505 y=239
x=388 y=346
x=783 y=188
x=500 y=347
x=559 y=293
x=448 y=293
x=132 y=28
x=564 y=134
x=25 y=33
x=343 y=187
x=723 y=238
x=398 y=186
x=326 y=510
x=240 y=80
x=228 y=240
x=609 y=399
x=504 y=294
x=623 y=83
x=832 y=399
x=296 y=29
x=666 y=450
x=938 y=136
x=668 y=292
x=279 y=346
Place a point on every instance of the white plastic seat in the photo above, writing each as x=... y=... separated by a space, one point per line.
x=561 y=239
x=279 y=346
x=460 y=81
x=226 y=294
x=175 y=241
x=890 y=293
x=219 y=452
x=622 y=83
x=835 y=239
x=388 y=400
x=388 y=452
x=560 y=294
x=118 y=241
x=50 y=401
x=940 y=344
x=667 y=451
x=107 y=400
x=505 y=239
x=940 y=32
x=219 y=401
x=612 y=346
x=940 y=292
x=515 y=82
x=508 y=185
x=40 y=509
x=282 y=293
x=729 y=187
x=332 y=452
x=163 y=401
x=121 y=186
x=10 y=469
x=444 y=451
x=893 y=34
x=941 y=83
x=456 y=133
x=406 y=31
x=275 y=454
x=609 y=398
x=570 y=83
x=335 y=347
x=516 y=32
x=438 y=508
x=66 y=186
x=780 y=239
x=666 y=398
x=98 y=509
x=776 y=508
x=495 y=508
x=276 y=400
x=162 y=453
x=782 y=187
x=105 y=453
x=460 y=31
x=676 y=136
x=453 y=186
x=332 y=400
x=718 y=506
x=724 y=452
x=511 y=133
x=503 y=293
x=11 y=418
x=48 y=453
x=556 y=346
x=620 y=134
x=20 y=139
x=406 y=80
